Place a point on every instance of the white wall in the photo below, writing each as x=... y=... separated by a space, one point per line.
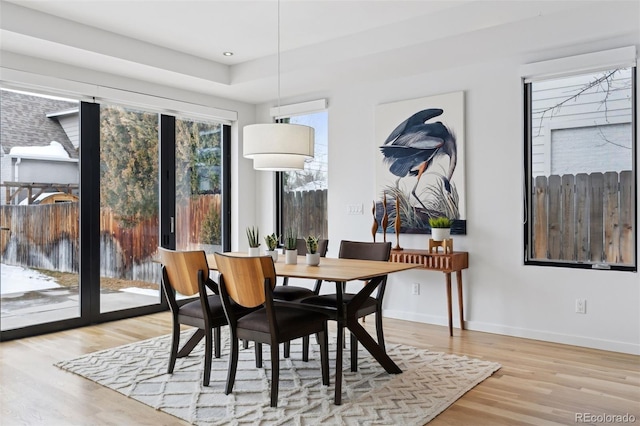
x=501 y=294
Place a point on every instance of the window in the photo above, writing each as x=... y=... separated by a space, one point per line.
x=580 y=168
x=79 y=226
x=303 y=194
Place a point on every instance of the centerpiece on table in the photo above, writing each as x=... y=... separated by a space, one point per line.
x=253 y=235
x=290 y=247
x=272 y=244
x=313 y=257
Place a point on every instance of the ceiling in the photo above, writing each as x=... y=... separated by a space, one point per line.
x=322 y=43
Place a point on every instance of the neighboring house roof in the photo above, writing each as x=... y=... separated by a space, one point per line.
x=31 y=121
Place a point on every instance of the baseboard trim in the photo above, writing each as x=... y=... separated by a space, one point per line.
x=566 y=339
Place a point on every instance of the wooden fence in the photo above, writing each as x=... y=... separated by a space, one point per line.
x=306 y=212
x=47 y=236
x=584 y=217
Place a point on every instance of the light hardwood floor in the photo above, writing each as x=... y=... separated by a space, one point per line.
x=539 y=383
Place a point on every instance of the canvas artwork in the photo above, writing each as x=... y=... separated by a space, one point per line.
x=420 y=163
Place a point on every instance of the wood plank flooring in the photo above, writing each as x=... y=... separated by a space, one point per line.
x=540 y=383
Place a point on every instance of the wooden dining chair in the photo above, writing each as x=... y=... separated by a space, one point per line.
x=187 y=273
x=373 y=304
x=249 y=282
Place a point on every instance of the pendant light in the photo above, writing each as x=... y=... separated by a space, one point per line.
x=278 y=146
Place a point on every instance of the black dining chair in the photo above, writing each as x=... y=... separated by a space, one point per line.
x=373 y=304
x=187 y=273
x=291 y=292
x=249 y=282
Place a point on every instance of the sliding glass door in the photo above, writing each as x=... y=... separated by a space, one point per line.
x=129 y=203
x=39 y=209
x=86 y=198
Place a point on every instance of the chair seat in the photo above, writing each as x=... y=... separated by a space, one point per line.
x=291 y=322
x=368 y=307
x=194 y=309
x=289 y=293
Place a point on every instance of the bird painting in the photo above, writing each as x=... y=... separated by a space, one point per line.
x=414 y=145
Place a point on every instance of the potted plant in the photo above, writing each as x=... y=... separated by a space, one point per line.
x=253 y=235
x=440 y=228
x=272 y=244
x=290 y=247
x=313 y=257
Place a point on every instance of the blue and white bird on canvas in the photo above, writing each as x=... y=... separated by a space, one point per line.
x=414 y=144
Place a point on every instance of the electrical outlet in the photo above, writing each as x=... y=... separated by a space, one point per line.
x=581 y=306
x=415 y=289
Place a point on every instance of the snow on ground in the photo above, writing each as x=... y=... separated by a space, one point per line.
x=16 y=279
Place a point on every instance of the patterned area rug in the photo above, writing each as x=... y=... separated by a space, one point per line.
x=430 y=382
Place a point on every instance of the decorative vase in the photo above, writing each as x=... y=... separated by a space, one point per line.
x=291 y=257
x=273 y=254
x=313 y=259
x=254 y=251
x=440 y=234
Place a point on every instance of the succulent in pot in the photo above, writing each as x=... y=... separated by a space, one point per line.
x=253 y=236
x=272 y=243
x=290 y=247
x=312 y=257
x=440 y=227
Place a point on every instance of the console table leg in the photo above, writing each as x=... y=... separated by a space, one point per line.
x=460 y=303
x=448 y=276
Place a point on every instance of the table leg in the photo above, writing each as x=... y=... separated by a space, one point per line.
x=372 y=346
x=448 y=277
x=460 y=303
x=337 y=399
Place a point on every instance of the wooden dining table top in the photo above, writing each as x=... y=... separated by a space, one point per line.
x=329 y=269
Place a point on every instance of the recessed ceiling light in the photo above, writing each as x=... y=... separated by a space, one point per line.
x=227 y=53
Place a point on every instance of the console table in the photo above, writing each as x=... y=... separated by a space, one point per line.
x=444 y=262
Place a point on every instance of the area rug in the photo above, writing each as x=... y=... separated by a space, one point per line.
x=430 y=382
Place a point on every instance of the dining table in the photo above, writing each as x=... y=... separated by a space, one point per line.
x=341 y=271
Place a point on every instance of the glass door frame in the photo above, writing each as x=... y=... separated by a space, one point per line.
x=89 y=256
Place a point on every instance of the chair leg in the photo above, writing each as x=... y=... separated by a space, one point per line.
x=175 y=342
x=379 y=330
x=208 y=349
x=258 y=350
x=275 y=374
x=305 y=348
x=354 y=352
x=233 y=365
x=287 y=349
x=245 y=344
x=216 y=338
x=324 y=355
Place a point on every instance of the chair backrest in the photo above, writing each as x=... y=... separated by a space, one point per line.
x=182 y=269
x=301 y=245
x=364 y=250
x=244 y=277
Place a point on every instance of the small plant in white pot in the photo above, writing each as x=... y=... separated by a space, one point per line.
x=440 y=228
x=313 y=257
x=290 y=247
x=272 y=244
x=253 y=236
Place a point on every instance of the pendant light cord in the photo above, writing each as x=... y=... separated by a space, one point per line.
x=278 y=57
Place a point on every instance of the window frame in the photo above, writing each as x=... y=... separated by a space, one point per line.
x=528 y=183
x=279 y=176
